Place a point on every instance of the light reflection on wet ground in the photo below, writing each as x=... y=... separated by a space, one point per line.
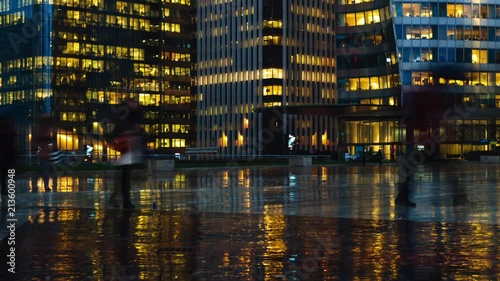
x=319 y=223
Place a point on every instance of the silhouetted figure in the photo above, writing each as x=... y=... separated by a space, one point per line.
x=379 y=156
x=8 y=150
x=128 y=132
x=44 y=141
x=459 y=194
x=403 y=197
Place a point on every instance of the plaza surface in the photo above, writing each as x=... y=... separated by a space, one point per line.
x=261 y=223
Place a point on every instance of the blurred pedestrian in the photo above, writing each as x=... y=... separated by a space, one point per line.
x=363 y=156
x=128 y=140
x=44 y=141
x=403 y=197
x=8 y=150
x=379 y=156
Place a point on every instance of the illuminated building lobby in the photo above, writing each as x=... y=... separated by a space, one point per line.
x=79 y=59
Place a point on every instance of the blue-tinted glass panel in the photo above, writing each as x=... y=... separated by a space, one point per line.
x=442 y=55
x=399 y=32
x=406 y=54
x=406 y=77
x=451 y=55
x=442 y=32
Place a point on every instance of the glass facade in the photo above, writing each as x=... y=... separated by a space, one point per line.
x=79 y=59
x=367 y=74
x=264 y=54
x=449 y=55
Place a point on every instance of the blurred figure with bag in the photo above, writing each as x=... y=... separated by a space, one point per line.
x=44 y=141
x=127 y=139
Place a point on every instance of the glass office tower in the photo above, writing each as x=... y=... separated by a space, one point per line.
x=368 y=78
x=270 y=54
x=449 y=55
x=79 y=59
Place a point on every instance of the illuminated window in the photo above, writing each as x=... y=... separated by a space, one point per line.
x=419 y=32
x=479 y=56
x=163 y=143
x=272 y=73
x=374 y=84
x=171 y=27
x=178 y=143
x=271 y=40
x=360 y=18
x=271 y=104
x=272 y=91
x=421 y=78
x=273 y=24
x=364 y=83
x=455 y=10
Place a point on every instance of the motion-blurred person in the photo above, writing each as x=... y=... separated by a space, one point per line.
x=129 y=142
x=379 y=156
x=8 y=150
x=89 y=151
x=403 y=197
x=44 y=140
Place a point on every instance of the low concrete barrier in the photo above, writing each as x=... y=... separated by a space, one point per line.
x=300 y=161
x=161 y=165
x=490 y=159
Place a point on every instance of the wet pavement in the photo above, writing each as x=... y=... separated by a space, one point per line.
x=257 y=223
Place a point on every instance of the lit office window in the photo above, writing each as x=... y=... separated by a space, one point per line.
x=421 y=78
x=272 y=24
x=271 y=40
x=272 y=91
x=418 y=32
x=171 y=27
x=272 y=73
x=178 y=143
x=479 y=56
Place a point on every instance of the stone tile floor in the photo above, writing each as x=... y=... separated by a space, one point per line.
x=257 y=223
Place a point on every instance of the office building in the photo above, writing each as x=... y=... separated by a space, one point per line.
x=256 y=58
x=78 y=60
x=449 y=55
x=354 y=76
x=368 y=87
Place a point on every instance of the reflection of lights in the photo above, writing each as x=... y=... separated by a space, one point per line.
x=291 y=141
x=292 y=180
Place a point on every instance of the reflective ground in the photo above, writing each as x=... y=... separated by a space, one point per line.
x=279 y=223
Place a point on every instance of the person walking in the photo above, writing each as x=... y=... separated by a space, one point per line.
x=127 y=139
x=379 y=156
x=403 y=197
x=44 y=141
